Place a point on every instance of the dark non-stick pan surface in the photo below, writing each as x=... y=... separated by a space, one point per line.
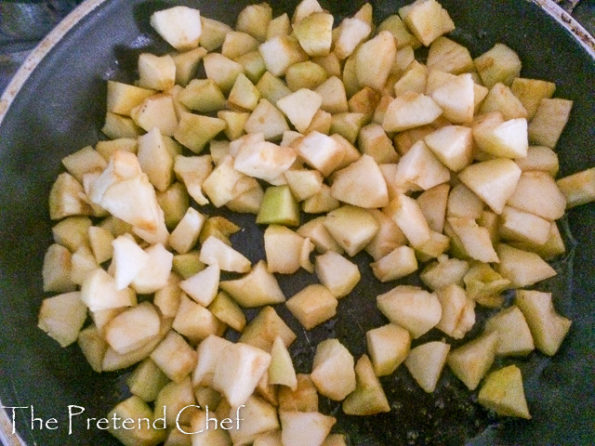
x=60 y=109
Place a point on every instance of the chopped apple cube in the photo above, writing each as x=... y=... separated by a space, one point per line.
x=156 y=111
x=174 y=357
x=332 y=370
x=185 y=235
x=133 y=328
x=444 y=272
x=531 y=91
x=523 y=226
x=412 y=308
x=67 y=198
x=222 y=70
x=193 y=171
x=122 y=98
x=493 y=181
x=458 y=311
x=128 y=260
x=522 y=268
x=420 y=167
x=425 y=363
x=314 y=33
x=502 y=99
x=93 y=346
x=216 y=252
x=195 y=131
x=281 y=369
x=388 y=347
x=99 y=292
x=456 y=97
x=179 y=26
x=266 y=119
x=186 y=64
x=202 y=96
x=301 y=428
x=368 y=398
x=547 y=326
x=352 y=227
x=146 y=380
x=57 y=269
x=507 y=139
x=62 y=317
x=350 y=34
x=503 y=392
x=202 y=286
x=361 y=184
x=264 y=160
x=374 y=59
x=118 y=126
x=195 y=322
x=156 y=72
x=280 y=52
x=472 y=360
x=337 y=273
x=499 y=64
x=313 y=305
x=258 y=417
x=278 y=207
x=155 y=272
x=427 y=20
x=410 y=110
x=398 y=263
x=549 y=121
x=514 y=335
x=388 y=237
x=578 y=188
x=407 y=214
x=462 y=203
x=238 y=370
x=257 y=288
x=474 y=239
x=449 y=56
x=141 y=434
x=284 y=249
x=538 y=193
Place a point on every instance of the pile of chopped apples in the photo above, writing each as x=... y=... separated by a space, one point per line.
x=425 y=166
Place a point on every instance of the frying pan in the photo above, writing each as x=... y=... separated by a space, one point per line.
x=59 y=108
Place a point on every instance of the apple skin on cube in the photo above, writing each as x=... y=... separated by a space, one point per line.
x=278 y=207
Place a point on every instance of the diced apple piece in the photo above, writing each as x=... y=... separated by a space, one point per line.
x=122 y=98
x=216 y=252
x=351 y=32
x=397 y=28
x=62 y=317
x=264 y=160
x=278 y=207
x=100 y=241
x=374 y=59
x=180 y=26
x=284 y=249
x=547 y=326
x=313 y=305
x=501 y=99
x=195 y=131
x=522 y=268
x=93 y=346
x=348 y=125
x=449 y=56
x=352 y=227
x=303 y=399
x=388 y=347
x=578 y=188
x=387 y=239
x=303 y=183
x=222 y=70
x=146 y=380
x=118 y=126
x=413 y=79
x=301 y=428
x=410 y=110
x=155 y=272
x=523 y=226
x=398 y=263
x=337 y=273
x=427 y=20
x=472 y=360
x=305 y=75
x=238 y=370
x=464 y=203
x=128 y=260
x=254 y=20
x=333 y=370
x=281 y=369
x=458 y=311
x=421 y=168
x=186 y=64
x=499 y=64
x=267 y=119
x=537 y=193
x=368 y=398
x=57 y=269
x=531 y=91
x=227 y=311
x=540 y=158
x=444 y=272
x=456 y=97
x=141 y=434
x=185 y=235
x=237 y=44
x=503 y=392
x=409 y=218
x=257 y=288
x=493 y=181
x=320 y=151
x=99 y=292
x=262 y=331
x=202 y=286
x=156 y=111
x=452 y=145
x=412 y=308
x=209 y=352
x=225 y=183
x=195 y=322
x=300 y=107
x=507 y=139
x=314 y=33
x=66 y=198
x=514 y=335
x=202 y=96
x=315 y=231
x=193 y=171
x=332 y=93
x=133 y=328
x=156 y=72
x=280 y=52
x=475 y=239
x=361 y=184
x=258 y=417
x=172 y=400
x=174 y=357
x=483 y=284
x=425 y=363
x=84 y=161
x=374 y=142
x=549 y=121
x=107 y=148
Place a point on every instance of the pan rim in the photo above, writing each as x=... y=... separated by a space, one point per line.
x=578 y=32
